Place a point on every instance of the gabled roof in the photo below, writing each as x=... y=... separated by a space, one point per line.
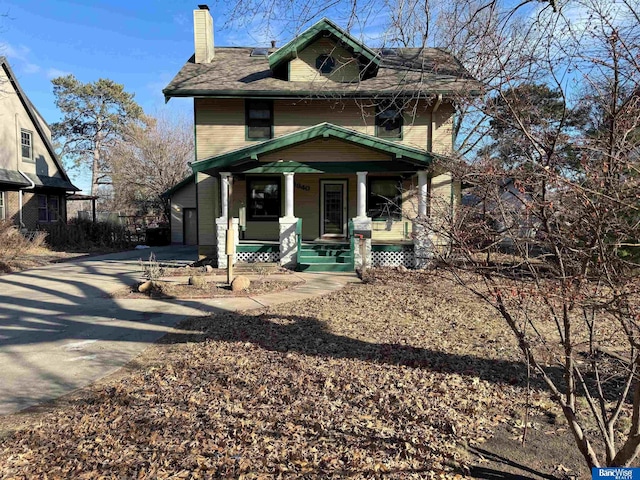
x=323 y=130
x=35 y=117
x=289 y=51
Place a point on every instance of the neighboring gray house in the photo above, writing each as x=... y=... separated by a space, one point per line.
x=184 y=213
x=33 y=183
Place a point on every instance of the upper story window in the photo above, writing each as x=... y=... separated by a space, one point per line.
x=26 y=144
x=325 y=64
x=259 y=119
x=388 y=121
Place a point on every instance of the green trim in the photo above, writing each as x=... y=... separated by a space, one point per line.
x=247 y=101
x=291 y=49
x=179 y=185
x=408 y=154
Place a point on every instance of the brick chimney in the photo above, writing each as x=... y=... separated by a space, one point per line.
x=203 y=34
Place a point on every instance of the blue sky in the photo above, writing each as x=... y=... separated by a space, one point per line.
x=141 y=44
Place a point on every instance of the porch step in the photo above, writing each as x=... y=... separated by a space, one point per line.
x=325 y=257
x=325 y=267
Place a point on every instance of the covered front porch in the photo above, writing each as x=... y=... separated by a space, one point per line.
x=288 y=204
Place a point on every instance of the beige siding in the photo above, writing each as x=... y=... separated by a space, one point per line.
x=329 y=150
x=183 y=198
x=220 y=126
x=443 y=129
x=442 y=193
x=208 y=205
x=13 y=118
x=304 y=69
x=293 y=115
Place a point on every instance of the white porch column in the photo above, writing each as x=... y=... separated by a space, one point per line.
x=422 y=244
x=288 y=195
x=422 y=193
x=288 y=223
x=362 y=223
x=222 y=222
x=361 y=212
x=224 y=194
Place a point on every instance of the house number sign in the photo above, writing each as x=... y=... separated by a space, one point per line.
x=306 y=188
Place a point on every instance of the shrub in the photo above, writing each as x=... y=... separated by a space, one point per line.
x=85 y=234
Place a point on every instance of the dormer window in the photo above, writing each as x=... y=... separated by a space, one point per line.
x=388 y=121
x=325 y=64
x=26 y=145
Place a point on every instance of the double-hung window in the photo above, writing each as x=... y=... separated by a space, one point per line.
x=263 y=195
x=259 y=119
x=26 y=145
x=388 y=121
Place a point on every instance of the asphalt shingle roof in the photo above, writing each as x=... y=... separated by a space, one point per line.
x=234 y=72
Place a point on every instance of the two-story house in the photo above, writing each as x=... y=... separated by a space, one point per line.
x=316 y=144
x=33 y=183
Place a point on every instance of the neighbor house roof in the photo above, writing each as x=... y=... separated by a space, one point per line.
x=323 y=130
x=54 y=182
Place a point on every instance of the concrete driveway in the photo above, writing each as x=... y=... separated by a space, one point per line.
x=59 y=330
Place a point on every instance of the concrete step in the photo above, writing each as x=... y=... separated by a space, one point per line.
x=325 y=267
x=346 y=258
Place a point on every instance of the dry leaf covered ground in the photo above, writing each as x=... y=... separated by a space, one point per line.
x=393 y=378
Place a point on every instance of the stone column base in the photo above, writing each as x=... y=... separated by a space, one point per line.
x=362 y=223
x=422 y=246
x=288 y=242
x=221 y=236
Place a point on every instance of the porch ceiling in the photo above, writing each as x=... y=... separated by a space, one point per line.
x=247 y=159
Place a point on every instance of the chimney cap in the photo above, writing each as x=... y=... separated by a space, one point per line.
x=203 y=7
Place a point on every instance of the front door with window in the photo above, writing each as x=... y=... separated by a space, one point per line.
x=333 y=208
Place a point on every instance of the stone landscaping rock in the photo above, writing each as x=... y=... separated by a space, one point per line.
x=197 y=281
x=208 y=269
x=145 y=287
x=240 y=283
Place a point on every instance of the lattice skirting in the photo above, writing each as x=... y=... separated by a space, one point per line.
x=405 y=257
x=257 y=257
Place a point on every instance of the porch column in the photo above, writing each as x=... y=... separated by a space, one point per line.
x=362 y=225
x=222 y=222
x=422 y=245
x=288 y=195
x=224 y=194
x=361 y=212
x=288 y=223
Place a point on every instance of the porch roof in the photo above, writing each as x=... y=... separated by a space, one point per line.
x=246 y=159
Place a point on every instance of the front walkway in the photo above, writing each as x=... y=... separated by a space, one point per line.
x=60 y=331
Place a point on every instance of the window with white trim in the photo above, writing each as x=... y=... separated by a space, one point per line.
x=26 y=145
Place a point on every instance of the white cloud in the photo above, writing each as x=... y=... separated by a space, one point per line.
x=54 y=73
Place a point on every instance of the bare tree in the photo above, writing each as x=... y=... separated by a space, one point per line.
x=149 y=159
x=558 y=254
